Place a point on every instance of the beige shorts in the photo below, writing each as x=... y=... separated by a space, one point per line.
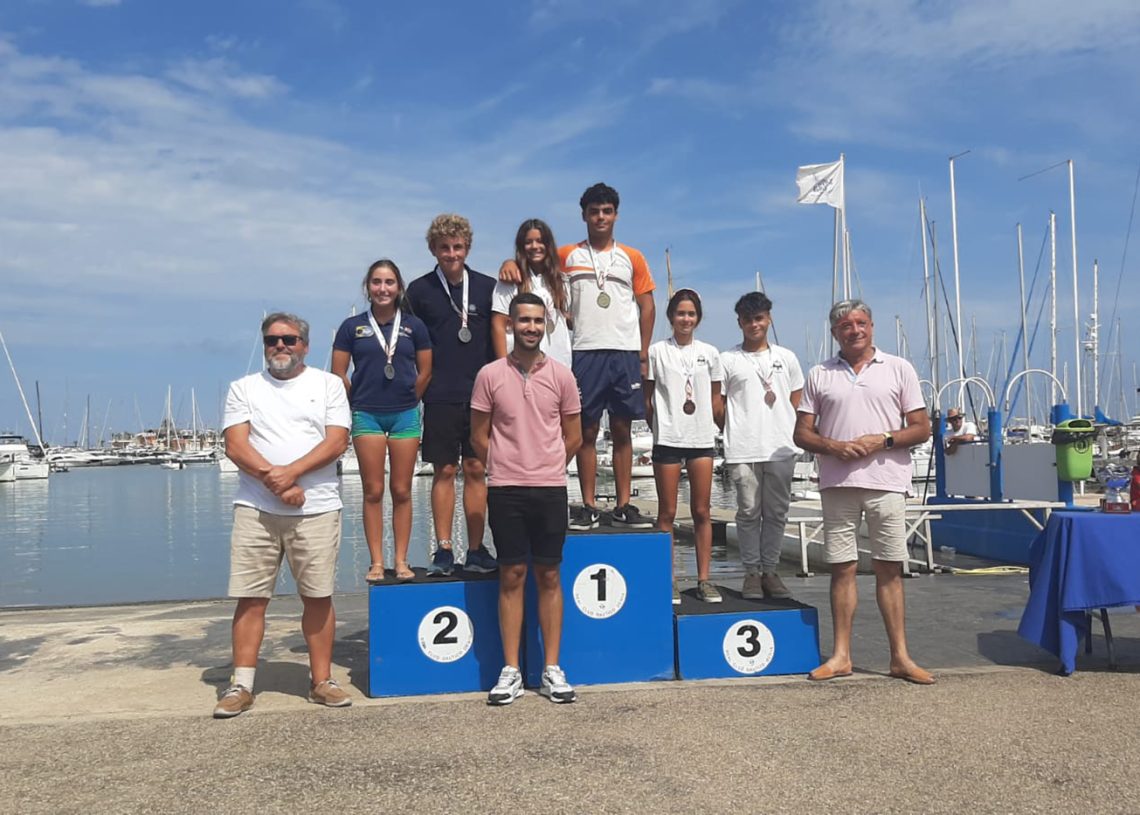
x=261 y=539
x=843 y=511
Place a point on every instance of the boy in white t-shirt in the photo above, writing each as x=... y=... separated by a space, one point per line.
x=762 y=386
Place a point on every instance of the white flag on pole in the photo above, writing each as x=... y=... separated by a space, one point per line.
x=821 y=184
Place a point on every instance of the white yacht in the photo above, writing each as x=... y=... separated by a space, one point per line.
x=16 y=461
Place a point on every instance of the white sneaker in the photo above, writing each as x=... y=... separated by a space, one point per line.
x=555 y=687
x=508 y=688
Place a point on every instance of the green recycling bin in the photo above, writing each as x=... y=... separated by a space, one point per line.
x=1073 y=439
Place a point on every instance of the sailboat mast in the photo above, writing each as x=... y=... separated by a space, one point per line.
x=1024 y=326
x=935 y=287
x=1076 y=297
x=1053 y=307
x=1095 y=330
x=957 y=279
x=20 y=388
x=926 y=292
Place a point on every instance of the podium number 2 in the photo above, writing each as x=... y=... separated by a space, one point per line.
x=599 y=591
x=450 y=621
x=445 y=634
x=748 y=646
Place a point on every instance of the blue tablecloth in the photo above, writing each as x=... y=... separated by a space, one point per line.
x=1080 y=561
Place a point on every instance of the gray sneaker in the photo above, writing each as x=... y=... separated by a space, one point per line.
x=508 y=688
x=708 y=593
x=234 y=700
x=555 y=687
x=774 y=587
x=329 y=694
x=753 y=588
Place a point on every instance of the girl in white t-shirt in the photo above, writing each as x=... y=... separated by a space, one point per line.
x=535 y=250
x=683 y=406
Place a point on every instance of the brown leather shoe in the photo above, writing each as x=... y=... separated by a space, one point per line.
x=825 y=672
x=915 y=675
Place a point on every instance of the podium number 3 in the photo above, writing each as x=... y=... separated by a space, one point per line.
x=599 y=591
x=748 y=646
x=751 y=635
x=445 y=634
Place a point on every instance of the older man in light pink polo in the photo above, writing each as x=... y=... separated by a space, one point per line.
x=850 y=417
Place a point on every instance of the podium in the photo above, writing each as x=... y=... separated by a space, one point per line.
x=744 y=637
x=617 y=610
x=434 y=635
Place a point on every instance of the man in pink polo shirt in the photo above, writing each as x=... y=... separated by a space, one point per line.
x=525 y=427
x=849 y=417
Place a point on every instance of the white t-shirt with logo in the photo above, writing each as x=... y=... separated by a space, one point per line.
x=753 y=430
x=287 y=418
x=556 y=342
x=617 y=325
x=669 y=365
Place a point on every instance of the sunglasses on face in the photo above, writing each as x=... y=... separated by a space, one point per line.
x=271 y=340
x=954 y=419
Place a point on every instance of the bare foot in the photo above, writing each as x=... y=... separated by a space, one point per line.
x=911 y=673
x=375 y=573
x=833 y=668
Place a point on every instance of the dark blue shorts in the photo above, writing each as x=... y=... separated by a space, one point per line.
x=609 y=381
x=678 y=455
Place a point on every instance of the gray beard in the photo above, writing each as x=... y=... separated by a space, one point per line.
x=280 y=369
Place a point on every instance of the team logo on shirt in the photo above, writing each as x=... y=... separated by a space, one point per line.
x=364 y=331
x=777 y=365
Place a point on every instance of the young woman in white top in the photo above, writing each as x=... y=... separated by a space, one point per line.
x=683 y=406
x=535 y=250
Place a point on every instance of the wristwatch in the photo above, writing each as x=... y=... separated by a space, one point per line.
x=888 y=441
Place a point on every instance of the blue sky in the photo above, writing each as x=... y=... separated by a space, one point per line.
x=173 y=169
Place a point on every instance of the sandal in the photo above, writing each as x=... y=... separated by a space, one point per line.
x=375 y=574
x=404 y=573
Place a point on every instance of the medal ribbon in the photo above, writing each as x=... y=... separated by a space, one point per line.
x=599 y=273
x=462 y=312
x=389 y=348
x=688 y=366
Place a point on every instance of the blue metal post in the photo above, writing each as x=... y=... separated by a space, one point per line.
x=994 y=429
x=939 y=426
x=1059 y=414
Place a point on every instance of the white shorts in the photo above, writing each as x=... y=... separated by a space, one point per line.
x=843 y=512
x=261 y=539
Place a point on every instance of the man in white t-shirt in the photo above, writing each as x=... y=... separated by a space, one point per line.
x=285 y=427
x=762 y=387
x=958 y=430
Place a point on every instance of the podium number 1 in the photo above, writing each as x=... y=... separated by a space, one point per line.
x=599 y=591
x=748 y=646
x=445 y=634
x=600 y=576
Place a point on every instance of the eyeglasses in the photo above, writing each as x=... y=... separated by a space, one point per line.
x=271 y=340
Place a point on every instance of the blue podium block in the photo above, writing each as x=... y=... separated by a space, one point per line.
x=617 y=623
x=745 y=637
x=434 y=635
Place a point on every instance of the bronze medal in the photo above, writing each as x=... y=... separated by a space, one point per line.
x=690 y=407
x=770 y=398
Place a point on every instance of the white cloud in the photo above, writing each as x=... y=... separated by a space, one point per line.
x=220 y=76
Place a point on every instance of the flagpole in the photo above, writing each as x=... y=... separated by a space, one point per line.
x=843 y=210
x=835 y=258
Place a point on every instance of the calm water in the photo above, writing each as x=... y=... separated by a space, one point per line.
x=101 y=535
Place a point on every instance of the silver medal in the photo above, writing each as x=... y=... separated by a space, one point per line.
x=603 y=299
x=390 y=371
x=465 y=334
